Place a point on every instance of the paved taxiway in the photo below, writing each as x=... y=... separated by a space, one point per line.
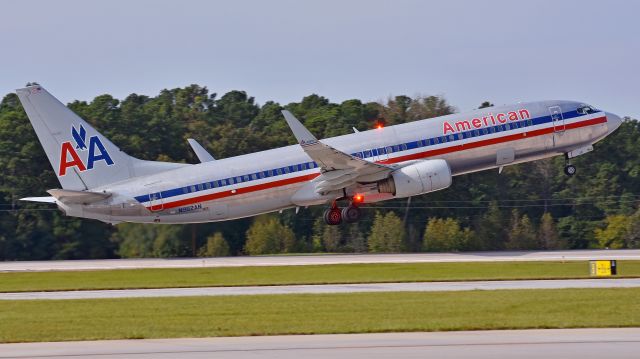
x=573 y=255
x=523 y=344
x=329 y=288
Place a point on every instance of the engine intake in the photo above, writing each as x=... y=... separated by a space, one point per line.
x=418 y=178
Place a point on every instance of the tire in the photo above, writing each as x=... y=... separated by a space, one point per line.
x=570 y=170
x=333 y=216
x=351 y=214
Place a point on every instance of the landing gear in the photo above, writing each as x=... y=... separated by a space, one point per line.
x=570 y=170
x=335 y=215
x=351 y=214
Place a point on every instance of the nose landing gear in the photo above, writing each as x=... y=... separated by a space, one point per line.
x=570 y=170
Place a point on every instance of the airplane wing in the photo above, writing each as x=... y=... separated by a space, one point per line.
x=202 y=154
x=338 y=169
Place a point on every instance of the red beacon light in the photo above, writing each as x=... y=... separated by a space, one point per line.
x=358 y=198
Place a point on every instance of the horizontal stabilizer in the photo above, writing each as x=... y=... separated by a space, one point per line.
x=39 y=199
x=70 y=196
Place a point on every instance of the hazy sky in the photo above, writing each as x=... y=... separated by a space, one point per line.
x=468 y=51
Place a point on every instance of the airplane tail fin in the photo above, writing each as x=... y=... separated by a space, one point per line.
x=81 y=157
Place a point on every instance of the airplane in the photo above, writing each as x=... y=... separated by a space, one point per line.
x=99 y=181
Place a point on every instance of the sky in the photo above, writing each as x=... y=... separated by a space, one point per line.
x=466 y=51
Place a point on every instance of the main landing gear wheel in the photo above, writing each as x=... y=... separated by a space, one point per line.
x=333 y=216
x=570 y=170
x=351 y=214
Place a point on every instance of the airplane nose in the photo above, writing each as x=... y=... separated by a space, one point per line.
x=613 y=122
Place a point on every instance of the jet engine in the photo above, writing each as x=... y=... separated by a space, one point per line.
x=417 y=178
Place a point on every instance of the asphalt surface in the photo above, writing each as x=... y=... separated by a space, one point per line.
x=67 y=265
x=329 y=288
x=522 y=344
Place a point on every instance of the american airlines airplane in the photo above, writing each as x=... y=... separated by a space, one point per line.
x=101 y=182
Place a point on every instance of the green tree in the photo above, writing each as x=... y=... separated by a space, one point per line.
x=268 y=236
x=151 y=240
x=548 y=237
x=216 y=246
x=490 y=229
x=522 y=235
x=327 y=238
x=620 y=231
x=387 y=234
x=356 y=241
x=445 y=234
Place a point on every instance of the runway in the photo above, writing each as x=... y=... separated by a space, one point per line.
x=297 y=260
x=329 y=288
x=523 y=344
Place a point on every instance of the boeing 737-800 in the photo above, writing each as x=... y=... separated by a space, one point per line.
x=101 y=182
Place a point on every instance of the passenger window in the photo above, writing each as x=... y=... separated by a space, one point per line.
x=451 y=138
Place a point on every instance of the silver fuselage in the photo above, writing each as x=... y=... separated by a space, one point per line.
x=265 y=181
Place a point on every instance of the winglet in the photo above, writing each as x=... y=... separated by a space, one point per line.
x=303 y=135
x=202 y=154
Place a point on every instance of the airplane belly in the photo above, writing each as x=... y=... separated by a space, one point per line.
x=487 y=157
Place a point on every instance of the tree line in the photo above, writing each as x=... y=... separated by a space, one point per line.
x=529 y=206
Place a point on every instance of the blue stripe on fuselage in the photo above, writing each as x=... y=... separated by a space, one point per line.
x=367 y=153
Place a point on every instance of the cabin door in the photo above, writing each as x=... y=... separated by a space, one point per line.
x=557 y=119
x=558 y=124
x=155 y=202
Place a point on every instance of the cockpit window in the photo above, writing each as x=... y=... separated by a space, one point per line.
x=585 y=110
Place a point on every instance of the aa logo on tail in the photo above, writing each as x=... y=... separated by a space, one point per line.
x=69 y=156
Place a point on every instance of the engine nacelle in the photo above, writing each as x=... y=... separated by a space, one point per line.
x=418 y=178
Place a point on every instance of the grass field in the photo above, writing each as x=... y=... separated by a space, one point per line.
x=283 y=275
x=26 y=321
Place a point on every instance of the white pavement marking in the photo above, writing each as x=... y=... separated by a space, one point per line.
x=97 y=264
x=619 y=343
x=329 y=288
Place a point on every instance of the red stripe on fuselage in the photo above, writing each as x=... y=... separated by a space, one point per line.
x=413 y=156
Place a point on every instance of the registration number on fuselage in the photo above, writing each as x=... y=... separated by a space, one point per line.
x=193 y=207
